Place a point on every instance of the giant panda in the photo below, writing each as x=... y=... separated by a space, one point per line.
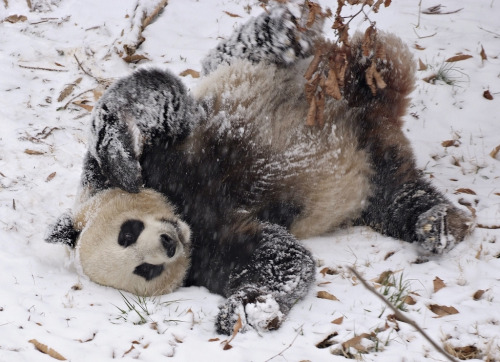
x=244 y=171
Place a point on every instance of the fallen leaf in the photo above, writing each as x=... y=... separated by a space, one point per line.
x=327 y=342
x=458 y=58
x=421 y=65
x=483 y=54
x=193 y=73
x=356 y=342
x=383 y=278
x=329 y=271
x=50 y=177
x=465 y=191
x=462 y=353
x=15 y=19
x=495 y=151
x=232 y=15
x=338 y=321
x=83 y=105
x=135 y=58
x=409 y=300
x=479 y=294
x=46 y=350
x=442 y=310
x=214 y=339
x=236 y=329
x=325 y=295
x=33 y=152
x=450 y=143
x=68 y=89
x=438 y=284
x=487 y=95
x=418 y=47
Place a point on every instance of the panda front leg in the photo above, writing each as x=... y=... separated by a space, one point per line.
x=150 y=105
x=261 y=292
x=277 y=36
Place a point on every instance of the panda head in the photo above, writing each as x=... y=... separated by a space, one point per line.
x=132 y=242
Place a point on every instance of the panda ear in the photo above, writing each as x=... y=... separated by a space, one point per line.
x=63 y=231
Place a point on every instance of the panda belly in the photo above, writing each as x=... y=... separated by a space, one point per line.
x=308 y=179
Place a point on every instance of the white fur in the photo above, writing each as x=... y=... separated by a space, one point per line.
x=105 y=262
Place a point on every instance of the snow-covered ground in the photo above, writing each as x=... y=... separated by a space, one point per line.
x=454 y=130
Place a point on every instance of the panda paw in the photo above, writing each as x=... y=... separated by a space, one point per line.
x=254 y=310
x=441 y=227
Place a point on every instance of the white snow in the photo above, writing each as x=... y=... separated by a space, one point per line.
x=42 y=143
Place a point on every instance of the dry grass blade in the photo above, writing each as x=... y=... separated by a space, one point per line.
x=401 y=317
x=436 y=10
x=41 y=68
x=232 y=14
x=45 y=349
x=151 y=17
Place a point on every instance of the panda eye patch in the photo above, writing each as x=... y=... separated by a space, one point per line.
x=129 y=232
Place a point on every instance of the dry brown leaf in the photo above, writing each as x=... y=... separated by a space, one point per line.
x=327 y=341
x=83 y=105
x=15 y=18
x=193 y=73
x=50 y=177
x=465 y=191
x=450 y=143
x=68 y=89
x=332 y=85
x=338 y=321
x=328 y=271
x=236 y=329
x=487 y=95
x=46 y=350
x=409 y=300
x=494 y=152
x=462 y=353
x=232 y=14
x=314 y=9
x=33 y=152
x=458 y=58
x=383 y=277
x=479 y=294
x=483 y=54
x=442 y=310
x=325 y=295
x=214 y=339
x=356 y=342
x=418 y=47
x=421 y=65
x=438 y=284
x=134 y=58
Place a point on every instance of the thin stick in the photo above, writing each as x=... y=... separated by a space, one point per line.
x=149 y=19
x=287 y=347
x=75 y=97
x=41 y=68
x=400 y=316
x=83 y=70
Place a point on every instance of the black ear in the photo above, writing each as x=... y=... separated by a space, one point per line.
x=63 y=231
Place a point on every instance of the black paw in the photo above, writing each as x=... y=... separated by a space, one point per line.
x=255 y=310
x=440 y=228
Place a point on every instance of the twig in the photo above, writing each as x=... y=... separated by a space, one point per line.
x=489 y=31
x=400 y=316
x=83 y=69
x=287 y=347
x=149 y=19
x=41 y=68
x=75 y=97
x=491 y=227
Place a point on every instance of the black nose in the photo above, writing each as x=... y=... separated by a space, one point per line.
x=169 y=244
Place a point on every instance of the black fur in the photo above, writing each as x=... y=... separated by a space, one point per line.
x=129 y=232
x=149 y=271
x=229 y=190
x=63 y=231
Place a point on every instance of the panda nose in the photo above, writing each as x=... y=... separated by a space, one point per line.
x=169 y=245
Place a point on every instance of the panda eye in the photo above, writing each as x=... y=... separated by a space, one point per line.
x=129 y=232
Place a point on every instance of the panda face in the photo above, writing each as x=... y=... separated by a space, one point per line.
x=134 y=242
